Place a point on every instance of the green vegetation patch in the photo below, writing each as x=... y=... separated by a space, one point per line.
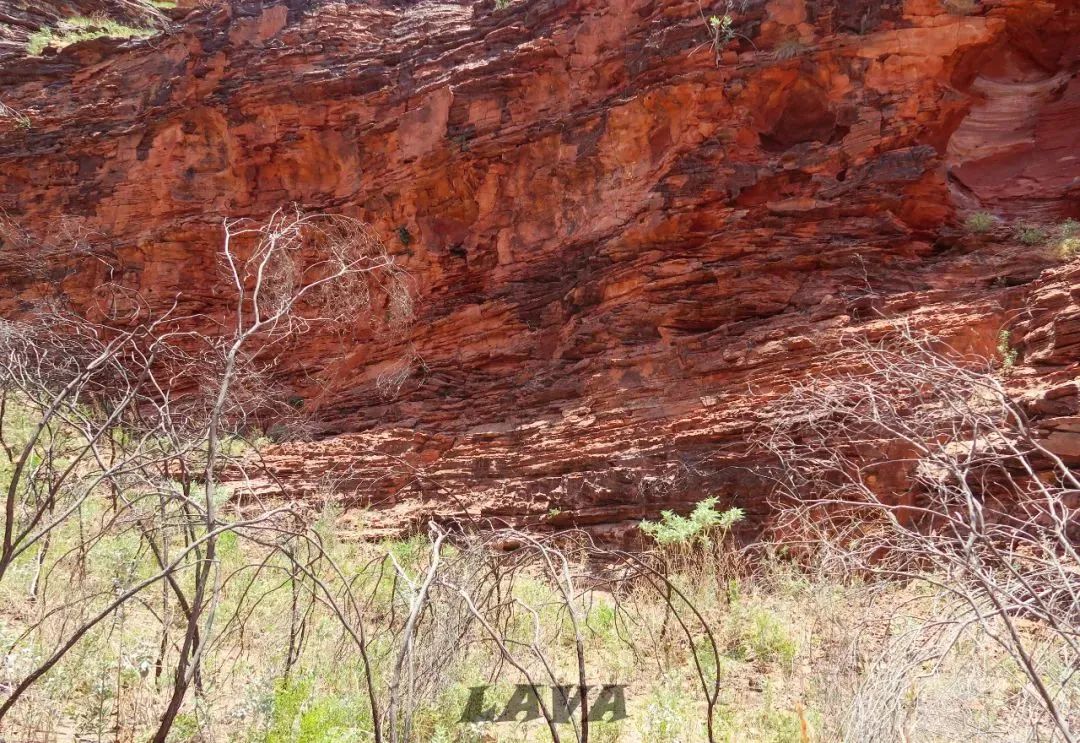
x=702 y=523
x=82 y=28
x=1030 y=234
x=1068 y=246
x=980 y=222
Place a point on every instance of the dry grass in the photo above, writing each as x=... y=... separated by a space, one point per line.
x=802 y=658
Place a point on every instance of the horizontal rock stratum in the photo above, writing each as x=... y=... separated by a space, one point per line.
x=623 y=239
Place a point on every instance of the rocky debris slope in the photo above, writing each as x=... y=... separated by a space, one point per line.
x=623 y=237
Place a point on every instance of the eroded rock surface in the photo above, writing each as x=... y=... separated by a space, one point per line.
x=623 y=241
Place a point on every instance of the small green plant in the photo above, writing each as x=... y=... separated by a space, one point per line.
x=404 y=235
x=733 y=590
x=980 y=222
x=502 y=4
x=1068 y=246
x=721 y=28
x=1006 y=351
x=766 y=638
x=408 y=552
x=601 y=619
x=703 y=523
x=1030 y=234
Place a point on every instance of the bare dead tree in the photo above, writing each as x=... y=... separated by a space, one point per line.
x=480 y=586
x=299 y=271
x=910 y=460
x=120 y=426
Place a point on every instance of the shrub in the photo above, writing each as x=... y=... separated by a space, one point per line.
x=1030 y=234
x=1068 y=240
x=701 y=526
x=1069 y=248
x=980 y=222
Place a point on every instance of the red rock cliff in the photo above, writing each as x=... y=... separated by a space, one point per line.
x=622 y=239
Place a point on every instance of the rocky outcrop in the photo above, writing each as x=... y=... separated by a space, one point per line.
x=623 y=237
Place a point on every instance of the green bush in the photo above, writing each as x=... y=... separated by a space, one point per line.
x=1030 y=234
x=980 y=222
x=701 y=526
x=1068 y=240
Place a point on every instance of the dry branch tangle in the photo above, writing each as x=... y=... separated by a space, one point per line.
x=619 y=248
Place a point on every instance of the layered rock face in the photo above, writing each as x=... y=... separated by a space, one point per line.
x=625 y=231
